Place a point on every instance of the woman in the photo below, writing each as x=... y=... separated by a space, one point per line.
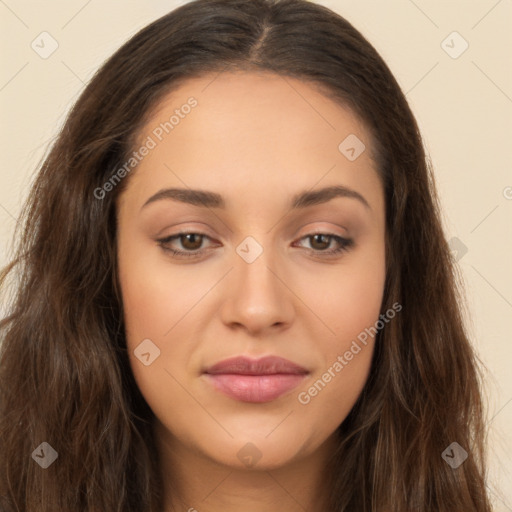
x=234 y=289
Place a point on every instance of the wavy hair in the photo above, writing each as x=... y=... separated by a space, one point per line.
x=64 y=372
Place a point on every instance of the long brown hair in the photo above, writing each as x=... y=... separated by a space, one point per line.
x=64 y=372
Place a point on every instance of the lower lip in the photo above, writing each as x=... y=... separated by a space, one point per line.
x=255 y=388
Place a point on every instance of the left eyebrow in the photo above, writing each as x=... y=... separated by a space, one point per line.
x=323 y=195
x=208 y=199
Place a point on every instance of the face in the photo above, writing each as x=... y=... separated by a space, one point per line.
x=246 y=302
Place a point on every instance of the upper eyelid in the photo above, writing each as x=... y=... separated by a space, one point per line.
x=177 y=236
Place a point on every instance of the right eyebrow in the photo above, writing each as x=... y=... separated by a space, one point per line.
x=194 y=197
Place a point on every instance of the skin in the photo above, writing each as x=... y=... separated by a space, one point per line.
x=257 y=139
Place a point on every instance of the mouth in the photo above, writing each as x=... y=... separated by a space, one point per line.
x=255 y=380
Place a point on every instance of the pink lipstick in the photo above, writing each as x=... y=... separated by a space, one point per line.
x=255 y=380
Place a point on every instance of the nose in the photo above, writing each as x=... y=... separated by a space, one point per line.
x=259 y=299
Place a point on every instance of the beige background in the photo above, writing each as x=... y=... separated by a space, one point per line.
x=463 y=106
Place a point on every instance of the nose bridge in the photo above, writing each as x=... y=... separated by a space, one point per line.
x=257 y=299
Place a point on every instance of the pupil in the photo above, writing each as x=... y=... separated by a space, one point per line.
x=191 y=240
x=325 y=237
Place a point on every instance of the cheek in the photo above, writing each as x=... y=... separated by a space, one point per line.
x=350 y=304
x=331 y=392
x=155 y=307
x=346 y=297
x=156 y=294
x=329 y=396
x=152 y=305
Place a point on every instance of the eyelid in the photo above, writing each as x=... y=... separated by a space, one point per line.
x=167 y=239
x=345 y=243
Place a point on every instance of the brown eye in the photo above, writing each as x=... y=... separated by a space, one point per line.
x=191 y=241
x=321 y=242
x=184 y=244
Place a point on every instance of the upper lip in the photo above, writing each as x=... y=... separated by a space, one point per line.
x=269 y=365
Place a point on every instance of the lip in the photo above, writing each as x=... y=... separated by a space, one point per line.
x=255 y=380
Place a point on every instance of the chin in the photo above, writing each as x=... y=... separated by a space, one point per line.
x=257 y=452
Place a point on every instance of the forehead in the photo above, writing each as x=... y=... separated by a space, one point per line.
x=248 y=129
x=267 y=105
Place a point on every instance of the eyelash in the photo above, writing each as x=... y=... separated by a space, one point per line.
x=345 y=244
